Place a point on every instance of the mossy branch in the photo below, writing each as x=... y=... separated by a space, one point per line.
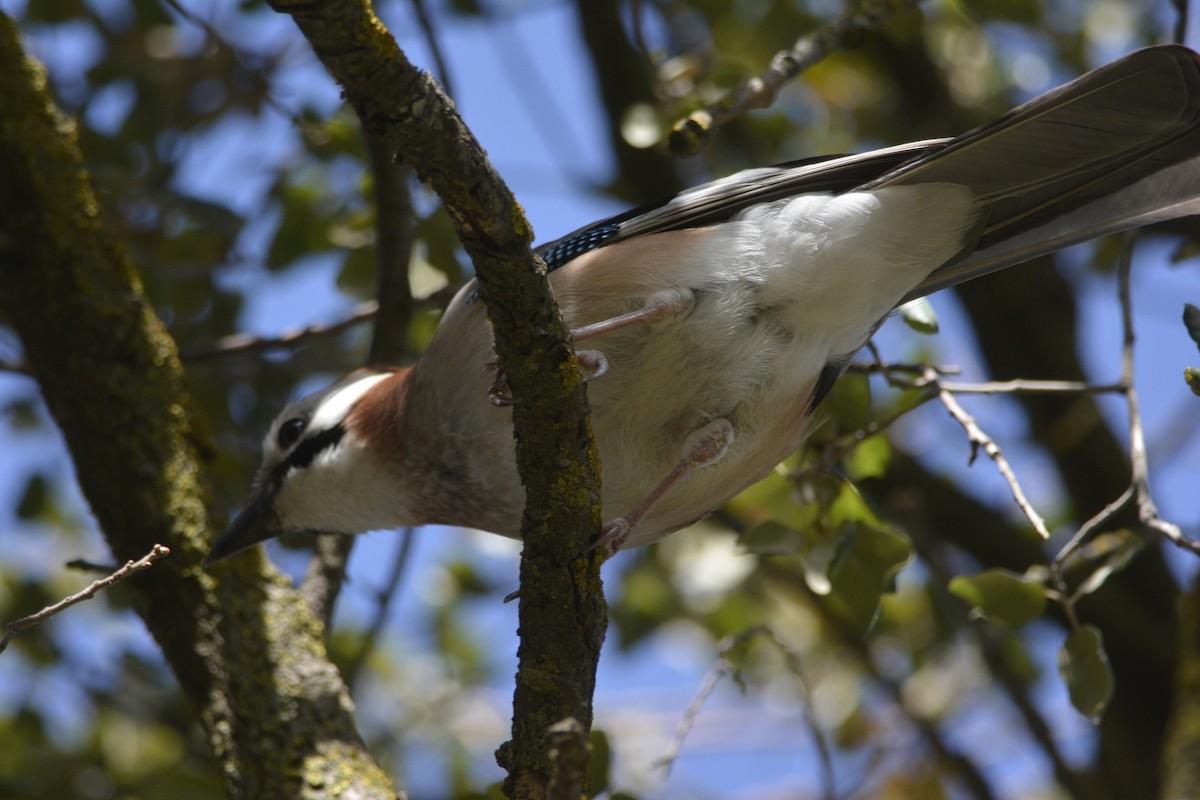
x=555 y=454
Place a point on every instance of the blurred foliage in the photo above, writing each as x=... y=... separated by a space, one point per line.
x=221 y=151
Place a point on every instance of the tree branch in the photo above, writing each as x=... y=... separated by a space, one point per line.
x=555 y=456
x=691 y=133
x=246 y=653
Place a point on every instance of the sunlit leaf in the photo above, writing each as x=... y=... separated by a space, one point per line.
x=869 y=459
x=1003 y=596
x=1192 y=376
x=1085 y=670
x=919 y=315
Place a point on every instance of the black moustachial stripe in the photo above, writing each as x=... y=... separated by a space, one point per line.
x=307 y=451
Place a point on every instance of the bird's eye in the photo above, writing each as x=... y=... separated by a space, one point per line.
x=289 y=432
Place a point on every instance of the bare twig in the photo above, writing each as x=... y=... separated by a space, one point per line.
x=978 y=439
x=383 y=602
x=324 y=576
x=991 y=647
x=689 y=134
x=1139 y=464
x=251 y=343
x=1023 y=386
x=14 y=365
x=431 y=41
x=878 y=366
x=720 y=669
x=83 y=565
x=13 y=628
x=836 y=449
x=973 y=781
x=1084 y=532
x=723 y=667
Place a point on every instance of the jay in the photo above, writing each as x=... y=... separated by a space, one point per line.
x=716 y=321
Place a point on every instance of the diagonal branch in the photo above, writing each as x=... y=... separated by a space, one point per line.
x=980 y=439
x=556 y=458
x=690 y=134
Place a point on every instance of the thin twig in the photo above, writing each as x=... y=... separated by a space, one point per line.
x=83 y=565
x=878 y=366
x=964 y=768
x=689 y=134
x=836 y=449
x=383 y=603
x=978 y=439
x=723 y=667
x=720 y=669
x=13 y=628
x=1022 y=386
x=17 y=366
x=991 y=647
x=1139 y=464
x=828 y=778
x=251 y=343
x=1085 y=531
x=431 y=41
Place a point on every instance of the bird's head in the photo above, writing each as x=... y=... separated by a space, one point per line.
x=331 y=463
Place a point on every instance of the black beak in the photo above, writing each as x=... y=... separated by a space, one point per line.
x=257 y=523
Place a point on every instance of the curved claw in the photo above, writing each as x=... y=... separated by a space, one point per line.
x=612 y=537
x=499 y=394
x=592 y=364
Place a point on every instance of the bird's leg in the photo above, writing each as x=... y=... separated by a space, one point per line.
x=705 y=446
x=660 y=305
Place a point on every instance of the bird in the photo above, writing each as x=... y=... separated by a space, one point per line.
x=712 y=324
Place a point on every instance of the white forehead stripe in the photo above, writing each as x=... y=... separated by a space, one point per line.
x=338 y=405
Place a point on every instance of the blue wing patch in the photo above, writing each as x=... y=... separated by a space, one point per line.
x=571 y=247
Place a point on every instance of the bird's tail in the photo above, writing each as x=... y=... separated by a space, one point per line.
x=1117 y=148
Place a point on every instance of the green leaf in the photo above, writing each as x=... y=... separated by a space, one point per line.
x=303 y=226
x=1192 y=376
x=1085 y=670
x=849 y=403
x=863 y=570
x=919 y=315
x=771 y=539
x=1003 y=596
x=869 y=459
x=600 y=764
x=1191 y=321
x=35 y=500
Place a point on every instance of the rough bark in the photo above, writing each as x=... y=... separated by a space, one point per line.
x=247 y=654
